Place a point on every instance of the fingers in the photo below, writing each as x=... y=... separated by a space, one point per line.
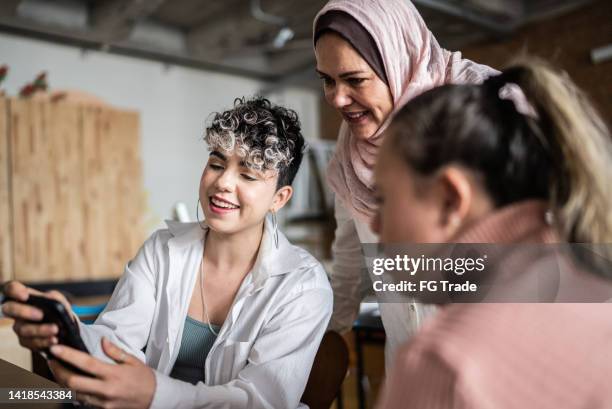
x=81 y=360
x=57 y=296
x=16 y=290
x=24 y=329
x=37 y=344
x=91 y=400
x=21 y=311
x=72 y=380
x=118 y=354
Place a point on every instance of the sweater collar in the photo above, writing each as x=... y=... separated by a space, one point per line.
x=518 y=222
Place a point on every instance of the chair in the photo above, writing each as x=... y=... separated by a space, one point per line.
x=328 y=372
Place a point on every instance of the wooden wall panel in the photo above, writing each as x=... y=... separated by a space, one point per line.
x=32 y=207
x=127 y=203
x=77 y=190
x=6 y=256
x=113 y=190
x=64 y=231
x=95 y=216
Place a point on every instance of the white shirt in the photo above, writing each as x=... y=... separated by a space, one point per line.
x=350 y=280
x=265 y=349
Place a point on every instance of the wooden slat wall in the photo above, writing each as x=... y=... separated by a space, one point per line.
x=29 y=160
x=124 y=131
x=6 y=271
x=94 y=188
x=77 y=190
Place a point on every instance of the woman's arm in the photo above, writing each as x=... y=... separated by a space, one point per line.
x=347 y=271
x=127 y=318
x=279 y=362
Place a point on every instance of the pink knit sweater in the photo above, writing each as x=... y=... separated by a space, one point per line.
x=507 y=356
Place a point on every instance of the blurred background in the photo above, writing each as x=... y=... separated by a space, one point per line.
x=103 y=104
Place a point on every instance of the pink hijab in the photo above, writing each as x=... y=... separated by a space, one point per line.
x=414 y=63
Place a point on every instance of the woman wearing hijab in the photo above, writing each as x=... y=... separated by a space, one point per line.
x=373 y=57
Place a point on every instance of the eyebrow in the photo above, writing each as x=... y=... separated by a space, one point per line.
x=218 y=155
x=344 y=74
x=221 y=156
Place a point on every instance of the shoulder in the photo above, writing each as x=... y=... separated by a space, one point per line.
x=305 y=271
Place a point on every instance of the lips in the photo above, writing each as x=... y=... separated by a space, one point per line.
x=355 y=117
x=220 y=205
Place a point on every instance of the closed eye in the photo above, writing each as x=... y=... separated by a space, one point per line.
x=327 y=81
x=355 y=81
x=215 y=166
x=248 y=177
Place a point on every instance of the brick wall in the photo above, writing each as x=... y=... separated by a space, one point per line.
x=565 y=41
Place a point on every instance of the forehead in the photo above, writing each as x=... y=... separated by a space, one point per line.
x=335 y=54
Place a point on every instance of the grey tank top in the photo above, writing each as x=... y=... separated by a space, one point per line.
x=196 y=342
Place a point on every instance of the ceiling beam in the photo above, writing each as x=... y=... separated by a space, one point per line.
x=456 y=10
x=114 y=20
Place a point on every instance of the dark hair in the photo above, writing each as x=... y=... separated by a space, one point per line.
x=561 y=155
x=267 y=136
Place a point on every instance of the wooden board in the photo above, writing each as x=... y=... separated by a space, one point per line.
x=29 y=163
x=46 y=187
x=77 y=191
x=113 y=190
x=95 y=210
x=124 y=177
x=6 y=234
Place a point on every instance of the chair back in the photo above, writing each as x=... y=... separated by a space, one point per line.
x=328 y=372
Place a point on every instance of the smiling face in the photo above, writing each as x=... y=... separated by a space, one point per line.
x=351 y=86
x=236 y=198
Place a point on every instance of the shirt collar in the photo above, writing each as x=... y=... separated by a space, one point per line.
x=270 y=261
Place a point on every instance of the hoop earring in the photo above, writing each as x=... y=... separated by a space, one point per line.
x=198 y=214
x=275 y=228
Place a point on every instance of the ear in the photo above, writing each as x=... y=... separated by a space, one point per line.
x=457 y=198
x=281 y=197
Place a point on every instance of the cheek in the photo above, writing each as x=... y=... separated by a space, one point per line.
x=255 y=199
x=408 y=222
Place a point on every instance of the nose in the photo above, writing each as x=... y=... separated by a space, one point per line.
x=339 y=97
x=226 y=181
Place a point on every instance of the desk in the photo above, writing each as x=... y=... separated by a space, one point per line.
x=12 y=376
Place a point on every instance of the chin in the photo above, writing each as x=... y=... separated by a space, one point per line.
x=363 y=132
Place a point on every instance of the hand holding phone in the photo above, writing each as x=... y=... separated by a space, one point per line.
x=41 y=321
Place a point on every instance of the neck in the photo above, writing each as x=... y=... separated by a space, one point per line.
x=514 y=223
x=233 y=253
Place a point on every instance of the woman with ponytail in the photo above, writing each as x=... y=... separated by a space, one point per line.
x=460 y=164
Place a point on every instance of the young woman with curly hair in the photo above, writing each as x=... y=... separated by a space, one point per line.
x=220 y=313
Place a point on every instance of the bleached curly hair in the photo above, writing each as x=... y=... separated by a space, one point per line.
x=265 y=135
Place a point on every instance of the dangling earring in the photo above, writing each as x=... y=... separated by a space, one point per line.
x=198 y=214
x=275 y=228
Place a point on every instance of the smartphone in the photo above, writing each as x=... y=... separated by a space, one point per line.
x=68 y=334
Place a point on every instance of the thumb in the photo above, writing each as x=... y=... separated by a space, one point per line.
x=117 y=354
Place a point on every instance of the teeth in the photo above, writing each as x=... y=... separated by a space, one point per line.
x=224 y=205
x=355 y=115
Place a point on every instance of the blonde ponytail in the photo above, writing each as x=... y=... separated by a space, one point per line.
x=581 y=188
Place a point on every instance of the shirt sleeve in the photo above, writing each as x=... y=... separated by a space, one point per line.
x=127 y=318
x=420 y=380
x=280 y=361
x=347 y=271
